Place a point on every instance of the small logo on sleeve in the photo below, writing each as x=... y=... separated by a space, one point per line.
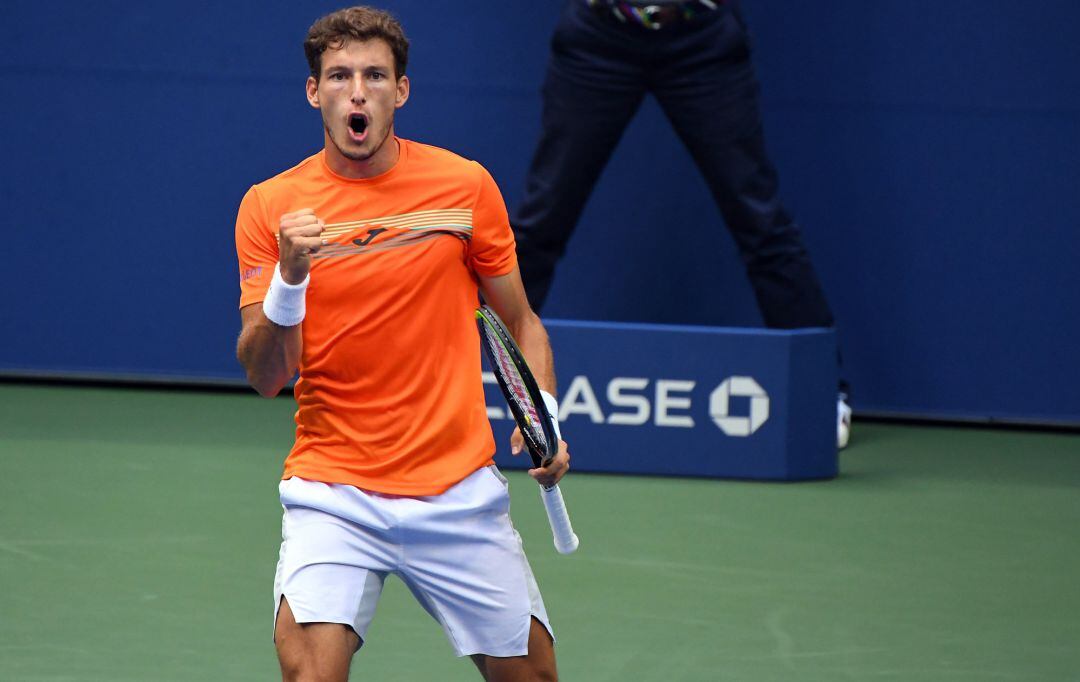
x=248 y=273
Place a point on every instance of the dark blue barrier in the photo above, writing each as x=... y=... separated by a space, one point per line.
x=927 y=150
x=691 y=401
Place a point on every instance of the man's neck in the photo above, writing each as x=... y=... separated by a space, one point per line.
x=378 y=163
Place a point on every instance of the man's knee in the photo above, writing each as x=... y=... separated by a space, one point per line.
x=308 y=663
x=545 y=674
x=293 y=668
x=519 y=670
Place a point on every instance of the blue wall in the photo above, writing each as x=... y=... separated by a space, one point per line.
x=928 y=149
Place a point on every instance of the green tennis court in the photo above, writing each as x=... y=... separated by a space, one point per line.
x=139 y=532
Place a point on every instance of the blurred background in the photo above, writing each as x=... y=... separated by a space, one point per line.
x=928 y=150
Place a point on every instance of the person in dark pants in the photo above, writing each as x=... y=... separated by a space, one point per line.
x=694 y=57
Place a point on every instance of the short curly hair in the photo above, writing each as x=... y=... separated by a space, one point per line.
x=356 y=23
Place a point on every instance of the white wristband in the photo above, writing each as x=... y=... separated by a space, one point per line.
x=553 y=408
x=284 y=302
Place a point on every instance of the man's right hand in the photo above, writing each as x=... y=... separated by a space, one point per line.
x=300 y=235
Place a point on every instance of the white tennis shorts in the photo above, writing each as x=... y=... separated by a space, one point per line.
x=457 y=552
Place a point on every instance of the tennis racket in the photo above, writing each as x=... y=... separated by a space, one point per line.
x=531 y=414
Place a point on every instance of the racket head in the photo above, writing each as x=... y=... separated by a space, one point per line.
x=518 y=386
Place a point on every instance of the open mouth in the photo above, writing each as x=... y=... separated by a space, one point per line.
x=358 y=124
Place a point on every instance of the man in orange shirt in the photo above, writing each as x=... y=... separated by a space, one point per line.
x=361 y=267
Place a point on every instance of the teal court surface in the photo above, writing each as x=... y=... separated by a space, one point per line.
x=139 y=531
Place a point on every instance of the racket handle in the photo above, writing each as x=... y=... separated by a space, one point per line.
x=565 y=539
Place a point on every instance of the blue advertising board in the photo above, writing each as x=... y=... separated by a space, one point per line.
x=690 y=401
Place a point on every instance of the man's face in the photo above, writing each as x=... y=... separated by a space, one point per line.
x=357 y=94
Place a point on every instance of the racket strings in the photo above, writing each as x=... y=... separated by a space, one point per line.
x=518 y=393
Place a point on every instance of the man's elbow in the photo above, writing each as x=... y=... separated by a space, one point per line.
x=265 y=384
x=267 y=387
x=528 y=325
x=266 y=390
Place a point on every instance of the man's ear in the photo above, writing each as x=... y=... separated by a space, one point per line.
x=312 y=89
x=402 y=92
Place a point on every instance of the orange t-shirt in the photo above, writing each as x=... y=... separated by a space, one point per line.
x=389 y=397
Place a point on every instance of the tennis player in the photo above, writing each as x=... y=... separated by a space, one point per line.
x=361 y=267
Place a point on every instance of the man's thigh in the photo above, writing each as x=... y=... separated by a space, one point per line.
x=536 y=666
x=319 y=651
x=330 y=570
x=466 y=566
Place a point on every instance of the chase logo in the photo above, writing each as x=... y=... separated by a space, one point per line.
x=739 y=387
x=640 y=401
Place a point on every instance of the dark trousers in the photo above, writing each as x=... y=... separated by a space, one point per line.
x=701 y=74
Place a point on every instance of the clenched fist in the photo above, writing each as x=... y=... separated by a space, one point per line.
x=300 y=235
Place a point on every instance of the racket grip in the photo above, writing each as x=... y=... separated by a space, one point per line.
x=561 y=530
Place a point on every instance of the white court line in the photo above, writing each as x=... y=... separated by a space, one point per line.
x=112 y=542
x=15 y=549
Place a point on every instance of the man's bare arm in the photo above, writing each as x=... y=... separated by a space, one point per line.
x=506 y=296
x=268 y=352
